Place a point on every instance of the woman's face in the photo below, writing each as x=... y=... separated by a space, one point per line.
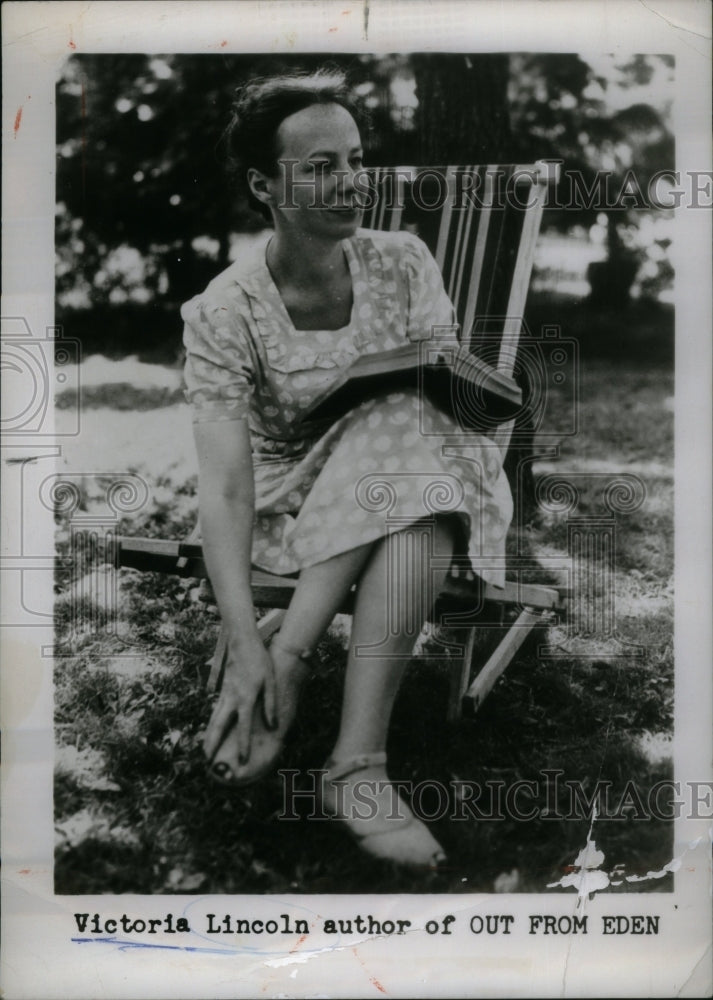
x=319 y=153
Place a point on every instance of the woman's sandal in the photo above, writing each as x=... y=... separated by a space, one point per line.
x=393 y=833
x=265 y=744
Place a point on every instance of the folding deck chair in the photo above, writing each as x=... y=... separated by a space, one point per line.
x=481 y=224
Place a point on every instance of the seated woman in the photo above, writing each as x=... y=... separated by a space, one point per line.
x=295 y=496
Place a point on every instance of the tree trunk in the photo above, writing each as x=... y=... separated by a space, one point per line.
x=462 y=114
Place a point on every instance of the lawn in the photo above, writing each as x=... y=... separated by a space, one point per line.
x=134 y=811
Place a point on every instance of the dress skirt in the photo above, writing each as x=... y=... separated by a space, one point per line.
x=386 y=464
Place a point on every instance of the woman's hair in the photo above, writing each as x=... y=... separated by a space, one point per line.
x=263 y=104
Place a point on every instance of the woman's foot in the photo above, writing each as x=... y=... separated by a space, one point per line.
x=358 y=792
x=291 y=667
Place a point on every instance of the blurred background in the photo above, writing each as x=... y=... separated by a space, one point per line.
x=147 y=212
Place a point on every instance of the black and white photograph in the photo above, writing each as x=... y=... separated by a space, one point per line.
x=365 y=415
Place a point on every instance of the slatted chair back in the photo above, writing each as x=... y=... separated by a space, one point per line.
x=481 y=223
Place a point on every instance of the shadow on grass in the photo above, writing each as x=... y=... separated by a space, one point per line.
x=642 y=331
x=163 y=827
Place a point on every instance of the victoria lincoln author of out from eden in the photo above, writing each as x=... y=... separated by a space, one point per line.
x=280 y=492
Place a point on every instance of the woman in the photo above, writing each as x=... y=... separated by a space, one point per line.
x=287 y=495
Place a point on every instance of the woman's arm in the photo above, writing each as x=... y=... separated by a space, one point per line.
x=227 y=504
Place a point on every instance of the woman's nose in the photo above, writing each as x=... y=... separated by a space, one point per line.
x=346 y=183
x=344 y=180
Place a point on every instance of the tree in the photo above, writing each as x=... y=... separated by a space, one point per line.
x=462 y=114
x=607 y=121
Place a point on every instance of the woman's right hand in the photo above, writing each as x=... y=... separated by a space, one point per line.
x=248 y=679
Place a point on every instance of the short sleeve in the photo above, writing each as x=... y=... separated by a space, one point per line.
x=219 y=371
x=429 y=304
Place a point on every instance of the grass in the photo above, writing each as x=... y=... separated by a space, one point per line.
x=135 y=812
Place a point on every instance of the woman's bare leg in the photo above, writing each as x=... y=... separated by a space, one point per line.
x=392 y=602
x=319 y=593
x=395 y=596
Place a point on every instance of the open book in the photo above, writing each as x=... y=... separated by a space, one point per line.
x=474 y=393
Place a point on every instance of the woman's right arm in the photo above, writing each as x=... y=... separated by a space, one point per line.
x=227 y=506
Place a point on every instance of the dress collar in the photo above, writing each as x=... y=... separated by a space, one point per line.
x=375 y=307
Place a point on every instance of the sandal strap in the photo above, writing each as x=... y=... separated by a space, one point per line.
x=337 y=769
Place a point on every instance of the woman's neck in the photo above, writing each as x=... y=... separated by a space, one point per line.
x=305 y=262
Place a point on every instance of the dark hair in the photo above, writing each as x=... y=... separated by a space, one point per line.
x=263 y=104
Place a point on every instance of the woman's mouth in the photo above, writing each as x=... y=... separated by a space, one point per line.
x=347 y=210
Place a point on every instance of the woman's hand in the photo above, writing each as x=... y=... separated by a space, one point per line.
x=249 y=678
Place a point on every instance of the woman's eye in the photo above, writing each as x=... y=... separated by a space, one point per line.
x=320 y=166
x=357 y=161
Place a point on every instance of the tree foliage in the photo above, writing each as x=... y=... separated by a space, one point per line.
x=146 y=209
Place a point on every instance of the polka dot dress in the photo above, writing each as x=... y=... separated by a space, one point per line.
x=322 y=489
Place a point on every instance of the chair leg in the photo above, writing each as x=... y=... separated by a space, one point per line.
x=194 y=536
x=216 y=664
x=270 y=623
x=267 y=626
x=460 y=674
x=501 y=658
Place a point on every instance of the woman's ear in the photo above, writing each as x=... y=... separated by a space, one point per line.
x=259 y=185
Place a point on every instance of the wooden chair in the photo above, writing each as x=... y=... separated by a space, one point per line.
x=481 y=224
